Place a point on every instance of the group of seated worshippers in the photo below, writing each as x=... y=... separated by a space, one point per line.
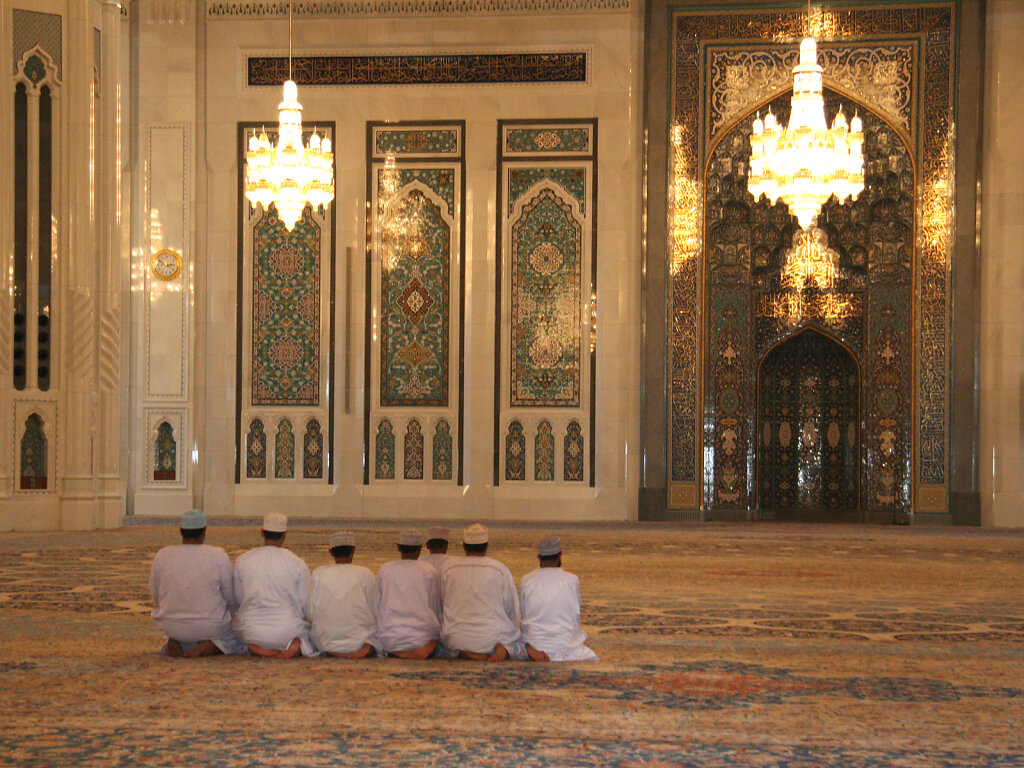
x=415 y=608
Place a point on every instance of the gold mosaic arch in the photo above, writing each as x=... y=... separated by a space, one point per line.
x=932 y=26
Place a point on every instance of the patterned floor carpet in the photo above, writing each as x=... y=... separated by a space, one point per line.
x=762 y=645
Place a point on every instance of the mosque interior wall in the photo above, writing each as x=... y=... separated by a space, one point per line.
x=490 y=320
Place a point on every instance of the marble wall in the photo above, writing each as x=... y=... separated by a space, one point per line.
x=201 y=75
x=1001 y=390
x=60 y=310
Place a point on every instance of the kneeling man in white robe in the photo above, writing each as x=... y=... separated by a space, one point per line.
x=551 y=609
x=343 y=604
x=193 y=593
x=409 y=619
x=479 y=604
x=437 y=548
x=272 y=587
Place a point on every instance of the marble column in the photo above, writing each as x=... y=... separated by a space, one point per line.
x=1001 y=452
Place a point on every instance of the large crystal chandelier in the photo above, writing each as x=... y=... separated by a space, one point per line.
x=289 y=174
x=807 y=162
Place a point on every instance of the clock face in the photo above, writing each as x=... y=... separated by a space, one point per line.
x=166 y=264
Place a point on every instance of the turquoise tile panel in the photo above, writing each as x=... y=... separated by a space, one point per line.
x=546 y=251
x=572 y=180
x=415 y=304
x=286 y=312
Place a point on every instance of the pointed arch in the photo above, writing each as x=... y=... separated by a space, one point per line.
x=284 y=450
x=384 y=451
x=442 y=451
x=544 y=452
x=313 y=451
x=34 y=459
x=515 y=451
x=256 y=451
x=412 y=455
x=165 y=453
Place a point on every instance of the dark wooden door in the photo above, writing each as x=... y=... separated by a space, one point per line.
x=808 y=430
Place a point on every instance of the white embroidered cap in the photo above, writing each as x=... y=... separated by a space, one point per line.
x=475 y=534
x=193 y=520
x=410 y=537
x=437 y=532
x=549 y=547
x=275 y=522
x=342 y=539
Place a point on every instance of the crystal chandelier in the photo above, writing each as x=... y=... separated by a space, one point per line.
x=290 y=174
x=807 y=162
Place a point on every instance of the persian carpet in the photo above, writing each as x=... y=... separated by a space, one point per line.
x=770 y=645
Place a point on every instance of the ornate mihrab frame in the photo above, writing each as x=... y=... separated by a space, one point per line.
x=694 y=94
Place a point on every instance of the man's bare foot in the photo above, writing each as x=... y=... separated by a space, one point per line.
x=420 y=653
x=363 y=653
x=473 y=656
x=205 y=648
x=294 y=649
x=536 y=655
x=173 y=649
x=500 y=653
x=266 y=653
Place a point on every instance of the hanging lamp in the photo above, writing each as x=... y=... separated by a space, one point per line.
x=289 y=174
x=807 y=162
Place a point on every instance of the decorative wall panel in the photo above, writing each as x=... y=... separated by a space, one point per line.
x=442 y=451
x=413 y=451
x=34 y=475
x=544 y=452
x=546 y=286
x=894 y=67
x=285 y=333
x=515 y=452
x=286 y=311
x=313 y=451
x=256 y=451
x=169 y=238
x=165 y=437
x=572 y=447
x=415 y=289
x=284 y=450
x=165 y=453
x=35 y=439
x=425 y=69
x=31 y=29
x=384 y=451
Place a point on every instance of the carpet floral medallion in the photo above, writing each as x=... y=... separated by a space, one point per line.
x=765 y=645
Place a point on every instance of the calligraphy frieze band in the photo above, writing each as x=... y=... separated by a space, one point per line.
x=421 y=69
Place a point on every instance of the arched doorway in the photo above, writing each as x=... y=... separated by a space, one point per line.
x=808 y=430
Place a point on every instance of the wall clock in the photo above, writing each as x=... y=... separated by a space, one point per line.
x=165 y=264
